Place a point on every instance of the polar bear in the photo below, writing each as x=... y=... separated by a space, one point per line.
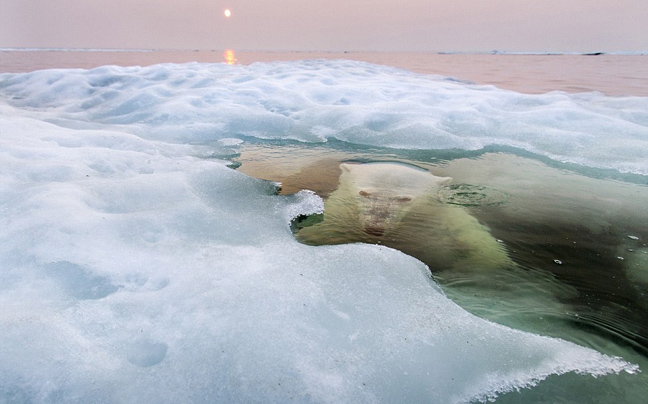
x=386 y=192
x=398 y=205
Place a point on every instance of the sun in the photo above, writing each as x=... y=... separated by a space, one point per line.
x=227 y=13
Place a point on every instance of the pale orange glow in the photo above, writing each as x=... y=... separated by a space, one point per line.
x=227 y=13
x=229 y=57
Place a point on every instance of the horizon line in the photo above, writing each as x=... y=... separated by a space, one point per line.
x=476 y=52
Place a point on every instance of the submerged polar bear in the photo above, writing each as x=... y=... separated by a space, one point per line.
x=386 y=192
x=398 y=205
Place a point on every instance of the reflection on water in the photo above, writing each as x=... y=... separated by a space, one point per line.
x=229 y=57
x=576 y=262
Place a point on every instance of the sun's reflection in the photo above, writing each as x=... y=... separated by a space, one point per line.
x=229 y=57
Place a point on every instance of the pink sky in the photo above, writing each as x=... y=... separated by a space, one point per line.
x=337 y=25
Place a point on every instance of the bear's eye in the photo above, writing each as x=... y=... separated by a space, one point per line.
x=364 y=194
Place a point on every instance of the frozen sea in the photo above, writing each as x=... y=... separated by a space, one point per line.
x=209 y=227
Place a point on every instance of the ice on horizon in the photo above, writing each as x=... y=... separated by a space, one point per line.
x=312 y=101
x=136 y=267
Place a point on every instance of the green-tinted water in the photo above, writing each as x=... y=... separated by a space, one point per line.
x=510 y=239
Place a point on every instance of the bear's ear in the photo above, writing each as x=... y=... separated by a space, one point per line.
x=345 y=167
x=348 y=166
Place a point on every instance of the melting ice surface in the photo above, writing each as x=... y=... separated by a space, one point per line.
x=136 y=267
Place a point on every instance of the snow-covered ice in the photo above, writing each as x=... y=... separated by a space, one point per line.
x=313 y=101
x=134 y=267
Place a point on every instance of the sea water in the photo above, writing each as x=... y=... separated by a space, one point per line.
x=539 y=215
x=138 y=265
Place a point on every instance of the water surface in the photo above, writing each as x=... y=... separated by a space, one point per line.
x=577 y=244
